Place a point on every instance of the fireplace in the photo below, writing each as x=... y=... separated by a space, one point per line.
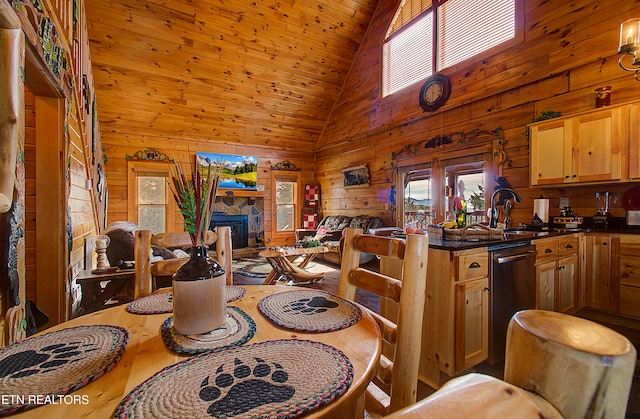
x=239 y=228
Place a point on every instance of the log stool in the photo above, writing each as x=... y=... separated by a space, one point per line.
x=582 y=368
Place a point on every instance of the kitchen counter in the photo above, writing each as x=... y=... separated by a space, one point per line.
x=511 y=238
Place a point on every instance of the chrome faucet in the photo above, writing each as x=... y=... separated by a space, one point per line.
x=494 y=212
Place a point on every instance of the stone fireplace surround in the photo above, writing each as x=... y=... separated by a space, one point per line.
x=252 y=207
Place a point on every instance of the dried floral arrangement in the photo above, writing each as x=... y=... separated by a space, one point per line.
x=195 y=197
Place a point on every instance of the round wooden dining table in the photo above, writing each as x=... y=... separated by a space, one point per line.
x=146 y=354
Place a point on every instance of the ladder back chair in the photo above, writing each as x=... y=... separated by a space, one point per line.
x=145 y=271
x=399 y=375
x=556 y=366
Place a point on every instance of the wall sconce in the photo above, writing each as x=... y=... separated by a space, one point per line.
x=630 y=45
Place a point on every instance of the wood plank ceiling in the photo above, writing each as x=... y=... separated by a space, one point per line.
x=249 y=72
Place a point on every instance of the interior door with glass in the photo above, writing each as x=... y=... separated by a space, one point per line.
x=465 y=191
x=417 y=206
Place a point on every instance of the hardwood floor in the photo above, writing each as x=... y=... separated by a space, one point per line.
x=623 y=325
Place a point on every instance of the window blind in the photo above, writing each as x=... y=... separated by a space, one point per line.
x=408 y=56
x=468 y=27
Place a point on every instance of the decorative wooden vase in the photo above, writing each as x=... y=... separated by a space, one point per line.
x=199 y=298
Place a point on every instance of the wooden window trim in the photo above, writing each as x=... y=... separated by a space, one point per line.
x=174 y=220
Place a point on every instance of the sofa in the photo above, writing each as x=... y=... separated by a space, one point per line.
x=331 y=228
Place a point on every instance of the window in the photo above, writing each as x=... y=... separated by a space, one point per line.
x=150 y=204
x=413 y=49
x=286 y=204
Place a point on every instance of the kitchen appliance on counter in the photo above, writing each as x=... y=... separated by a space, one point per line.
x=512 y=288
x=602 y=218
x=631 y=203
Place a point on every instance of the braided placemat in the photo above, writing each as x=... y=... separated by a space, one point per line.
x=309 y=311
x=162 y=302
x=237 y=330
x=271 y=379
x=43 y=369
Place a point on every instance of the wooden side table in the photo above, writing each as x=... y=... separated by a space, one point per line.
x=94 y=295
x=283 y=267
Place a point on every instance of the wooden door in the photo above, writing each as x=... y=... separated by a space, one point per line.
x=598 y=271
x=545 y=285
x=550 y=156
x=597 y=142
x=472 y=323
x=566 y=284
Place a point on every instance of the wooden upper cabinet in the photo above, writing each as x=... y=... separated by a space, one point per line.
x=585 y=148
x=550 y=152
x=634 y=141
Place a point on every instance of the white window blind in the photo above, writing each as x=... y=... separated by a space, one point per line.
x=408 y=10
x=468 y=27
x=465 y=28
x=408 y=56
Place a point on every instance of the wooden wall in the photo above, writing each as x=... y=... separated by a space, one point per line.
x=569 y=49
x=118 y=145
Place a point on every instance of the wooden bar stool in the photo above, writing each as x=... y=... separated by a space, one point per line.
x=582 y=368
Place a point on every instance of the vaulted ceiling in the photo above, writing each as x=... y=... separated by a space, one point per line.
x=263 y=72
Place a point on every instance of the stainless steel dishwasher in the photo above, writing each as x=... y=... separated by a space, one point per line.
x=513 y=288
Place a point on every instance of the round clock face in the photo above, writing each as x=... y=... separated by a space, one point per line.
x=434 y=92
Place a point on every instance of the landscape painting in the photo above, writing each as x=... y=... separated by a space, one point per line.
x=239 y=172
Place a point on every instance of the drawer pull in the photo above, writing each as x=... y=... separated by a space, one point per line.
x=548 y=251
x=568 y=246
x=475 y=265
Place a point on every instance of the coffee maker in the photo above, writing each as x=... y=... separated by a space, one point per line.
x=602 y=218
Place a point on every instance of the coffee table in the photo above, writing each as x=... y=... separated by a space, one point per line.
x=282 y=262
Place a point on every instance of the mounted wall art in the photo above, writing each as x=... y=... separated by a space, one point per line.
x=239 y=172
x=356 y=177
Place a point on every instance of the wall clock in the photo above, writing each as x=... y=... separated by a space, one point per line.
x=434 y=92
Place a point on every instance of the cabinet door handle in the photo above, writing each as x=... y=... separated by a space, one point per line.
x=487 y=289
x=474 y=265
x=604 y=243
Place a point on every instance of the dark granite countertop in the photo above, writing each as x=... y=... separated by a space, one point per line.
x=523 y=237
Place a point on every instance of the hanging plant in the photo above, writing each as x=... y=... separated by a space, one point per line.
x=544 y=115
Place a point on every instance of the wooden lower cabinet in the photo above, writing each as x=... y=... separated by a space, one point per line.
x=472 y=323
x=626 y=278
x=545 y=285
x=455 y=333
x=557 y=279
x=567 y=285
x=598 y=271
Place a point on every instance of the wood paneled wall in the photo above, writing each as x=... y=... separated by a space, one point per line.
x=569 y=49
x=117 y=146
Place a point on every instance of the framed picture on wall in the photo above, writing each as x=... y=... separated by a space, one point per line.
x=239 y=172
x=356 y=177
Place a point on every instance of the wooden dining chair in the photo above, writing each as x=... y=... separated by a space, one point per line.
x=145 y=271
x=556 y=366
x=396 y=382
